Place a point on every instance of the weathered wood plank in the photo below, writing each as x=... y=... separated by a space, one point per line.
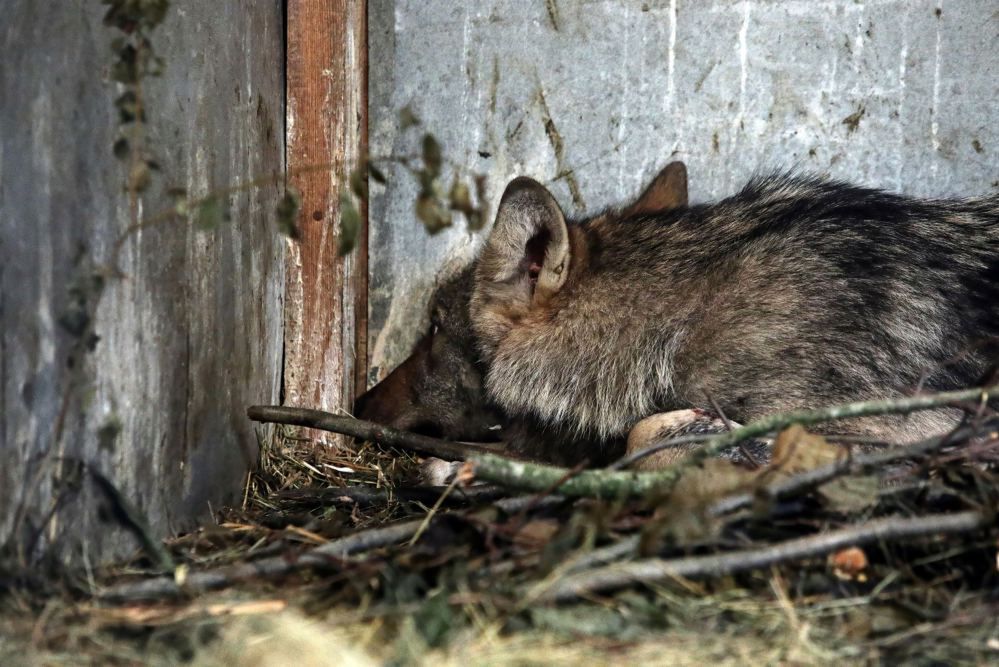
x=326 y=124
x=193 y=333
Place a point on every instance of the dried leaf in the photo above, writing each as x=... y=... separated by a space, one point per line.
x=139 y=177
x=460 y=198
x=683 y=514
x=535 y=533
x=851 y=493
x=432 y=214
x=796 y=450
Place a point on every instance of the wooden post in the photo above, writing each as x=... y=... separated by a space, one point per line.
x=326 y=296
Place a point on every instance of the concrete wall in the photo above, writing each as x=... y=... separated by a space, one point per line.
x=192 y=334
x=900 y=94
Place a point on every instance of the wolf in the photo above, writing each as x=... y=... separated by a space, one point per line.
x=796 y=292
x=440 y=388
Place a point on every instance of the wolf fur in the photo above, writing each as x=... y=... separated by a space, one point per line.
x=795 y=293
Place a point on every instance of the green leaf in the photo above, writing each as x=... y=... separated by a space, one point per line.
x=108 y=432
x=121 y=148
x=287 y=214
x=350 y=225
x=376 y=173
x=211 y=213
x=432 y=156
x=153 y=12
x=407 y=118
x=359 y=182
x=128 y=106
x=126 y=69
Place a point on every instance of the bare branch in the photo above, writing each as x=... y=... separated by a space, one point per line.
x=618 y=575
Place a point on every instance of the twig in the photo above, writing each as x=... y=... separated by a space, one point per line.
x=266 y=568
x=368 y=495
x=281 y=565
x=190 y=205
x=656 y=569
x=358 y=428
x=433 y=511
x=729 y=426
x=617 y=484
x=129 y=516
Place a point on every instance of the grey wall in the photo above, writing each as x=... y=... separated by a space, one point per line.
x=728 y=87
x=193 y=333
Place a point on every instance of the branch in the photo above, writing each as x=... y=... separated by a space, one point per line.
x=617 y=484
x=656 y=569
x=358 y=428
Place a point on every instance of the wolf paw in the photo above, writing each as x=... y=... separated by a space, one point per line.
x=665 y=426
x=438 y=472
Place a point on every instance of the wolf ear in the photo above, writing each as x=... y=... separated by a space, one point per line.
x=667 y=190
x=529 y=243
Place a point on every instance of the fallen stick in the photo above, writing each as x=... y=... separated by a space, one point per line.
x=370 y=431
x=652 y=570
x=618 y=484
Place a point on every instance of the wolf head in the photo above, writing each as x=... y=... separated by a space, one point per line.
x=440 y=388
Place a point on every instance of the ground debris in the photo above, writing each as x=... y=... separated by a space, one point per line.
x=339 y=557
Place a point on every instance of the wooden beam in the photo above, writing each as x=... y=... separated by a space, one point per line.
x=326 y=296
